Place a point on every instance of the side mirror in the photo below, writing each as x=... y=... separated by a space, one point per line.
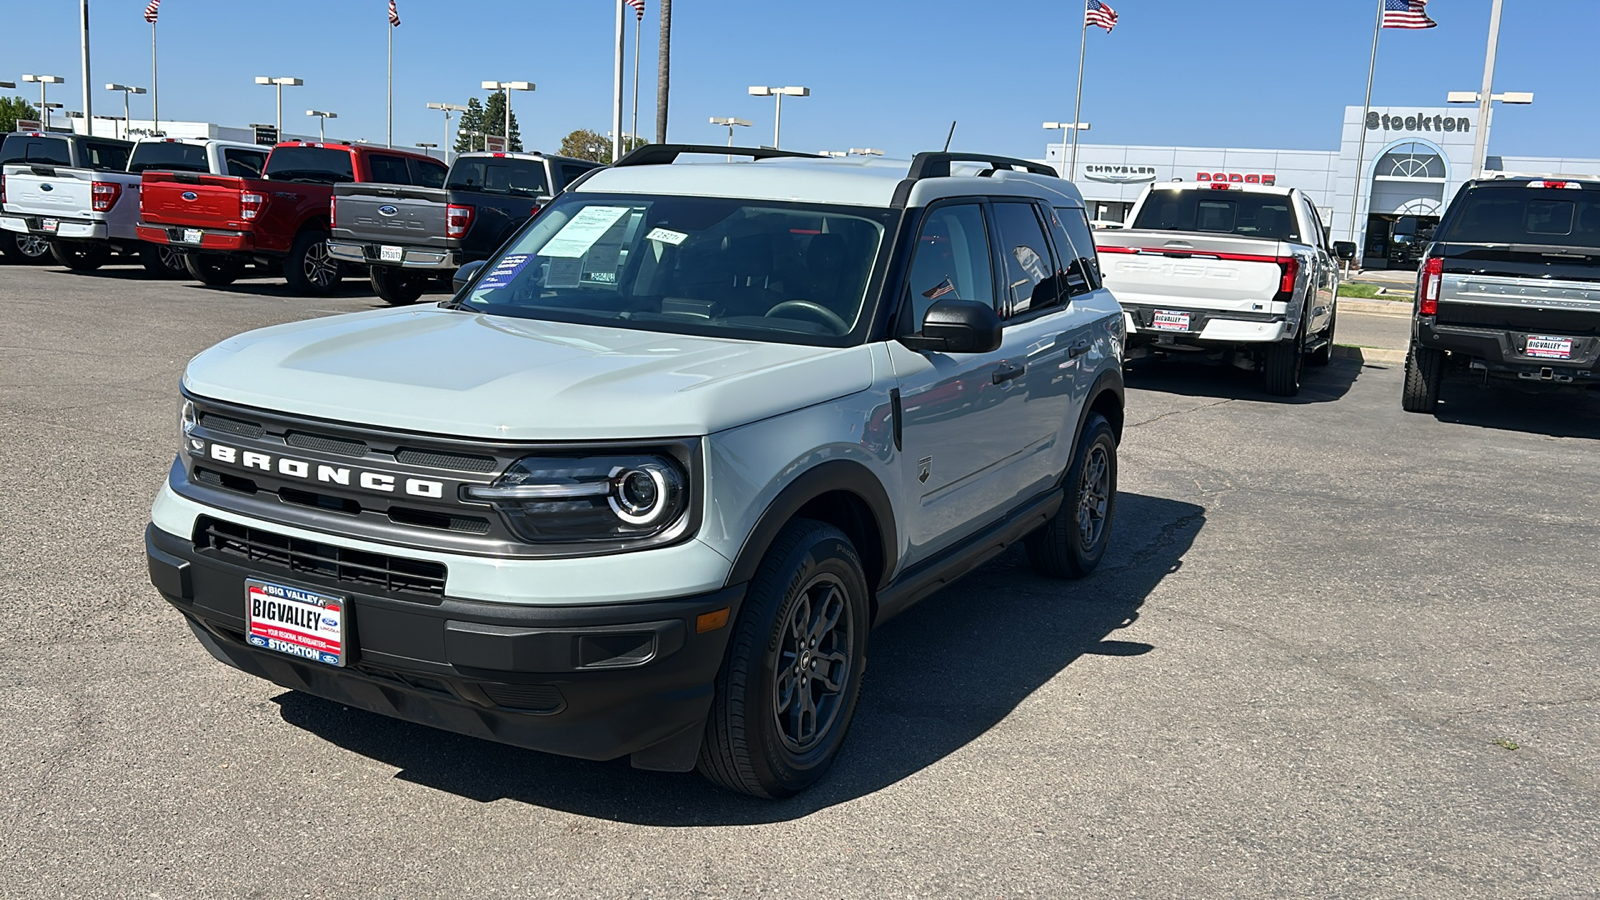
x=1345 y=250
x=958 y=326
x=465 y=274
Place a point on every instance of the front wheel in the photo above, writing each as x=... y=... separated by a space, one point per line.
x=80 y=256
x=788 y=686
x=310 y=269
x=396 y=286
x=1073 y=542
x=213 y=269
x=1324 y=354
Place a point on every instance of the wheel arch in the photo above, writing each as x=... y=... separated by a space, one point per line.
x=1105 y=397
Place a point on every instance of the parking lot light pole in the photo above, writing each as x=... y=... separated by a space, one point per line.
x=1480 y=143
x=506 y=87
x=426 y=147
x=126 y=89
x=280 y=83
x=448 y=108
x=865 y=151
x=1067 y=128
x=43 y=80
x=44 y=112
x=322 y=121
x=779 y=93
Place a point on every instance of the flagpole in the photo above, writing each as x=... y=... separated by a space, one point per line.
x=616 y=86
x=1077 y=105
x=155 y=91
x=1361 y=146
x=390 y=142
x=638 y=28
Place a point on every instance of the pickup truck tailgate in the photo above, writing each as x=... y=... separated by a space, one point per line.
x=374 y=214
x=181 y=198
x=1221 y=273
x=35 y=190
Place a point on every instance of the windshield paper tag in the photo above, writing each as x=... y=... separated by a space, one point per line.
x=503 y=272
x=666 y=236
x=583 y=232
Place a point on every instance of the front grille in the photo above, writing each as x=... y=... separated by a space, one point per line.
x=422 y=518
x=325 y=444
x=297 y=555
x=434 y=460
x=231 y=426
x=537 y=698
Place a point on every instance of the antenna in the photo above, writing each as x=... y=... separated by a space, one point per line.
x=950 y=137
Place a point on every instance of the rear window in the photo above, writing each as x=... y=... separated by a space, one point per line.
x=1522 y=215
x=164 y=157
x=512 y=177
x=1220 y=212
x=320 y=165
x=20 y=149
x=106 y=155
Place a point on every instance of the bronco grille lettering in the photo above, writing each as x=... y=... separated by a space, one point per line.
x=378 y=482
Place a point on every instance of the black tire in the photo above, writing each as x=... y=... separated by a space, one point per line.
x=1324 y=354
x=397 y=286
x=754 y=742
x=1074 y=541
x=1424 y=372
x=24 y=249
x=163 y=261
x=80 y=256
x=310 y=271
x=213 y=269
x=1283 y=365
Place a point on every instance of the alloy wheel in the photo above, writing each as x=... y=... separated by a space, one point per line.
x=321 y=269
x=32 y=246
x=1094 y=497
x=813 y=665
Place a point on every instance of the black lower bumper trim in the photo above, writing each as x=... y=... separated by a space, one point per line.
x=1503 y=352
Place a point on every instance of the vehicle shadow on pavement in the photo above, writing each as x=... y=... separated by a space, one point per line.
x=1565 y=412
x=939 y=677
x=275 y=286
x=1318 y=384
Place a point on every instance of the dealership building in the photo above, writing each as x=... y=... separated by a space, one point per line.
x=1413 y=163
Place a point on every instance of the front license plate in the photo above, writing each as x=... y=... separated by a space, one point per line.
x=299 y=622
x=391 y=254
x=193 y=235
x=50 y=225
x=1166 y=320
x=1550 y=347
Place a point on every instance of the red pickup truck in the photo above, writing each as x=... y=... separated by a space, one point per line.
x=222 y=222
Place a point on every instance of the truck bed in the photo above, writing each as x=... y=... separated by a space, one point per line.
x=1219 y=273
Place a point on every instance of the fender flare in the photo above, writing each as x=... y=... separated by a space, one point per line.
x=1109 y=380
x=827 y=477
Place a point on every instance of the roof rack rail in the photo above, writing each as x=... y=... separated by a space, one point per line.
x=937 y=165
x=666 y=154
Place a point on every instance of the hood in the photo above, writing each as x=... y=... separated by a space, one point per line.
x=458 y=373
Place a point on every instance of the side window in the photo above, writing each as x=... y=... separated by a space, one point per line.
x=388 y=169
x=951 y=259
x=1314 y=235
x=426 y=174
x=1030 y=272
x=106 y=156
x=566 y=172
x=244 y=163
x=1076 y=242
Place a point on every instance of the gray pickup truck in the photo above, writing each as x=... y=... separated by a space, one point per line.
x=408 y=234
x=1509 y=289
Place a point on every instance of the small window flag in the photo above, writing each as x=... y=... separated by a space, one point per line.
x=394 y=15
x=152 y=11
x=1097 y=13
x=1407 y=14
x=638 y=9
x=941 y=289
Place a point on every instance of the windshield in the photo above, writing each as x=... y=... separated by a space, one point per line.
x=168 y=157
x=512 y=177
x=319 y=165
x=754 y=270
x=1219 y=212
x=1522 y=215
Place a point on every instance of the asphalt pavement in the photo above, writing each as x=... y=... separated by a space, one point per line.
x=1335 y=650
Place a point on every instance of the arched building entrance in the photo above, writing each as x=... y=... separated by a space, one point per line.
x=1406 y=198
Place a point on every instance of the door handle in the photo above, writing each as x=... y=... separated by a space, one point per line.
x=1078 y=349
x=1008 y=372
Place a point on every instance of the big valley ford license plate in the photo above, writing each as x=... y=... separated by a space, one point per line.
x=1549 y=347
x=299 y=622
x=1169 y=320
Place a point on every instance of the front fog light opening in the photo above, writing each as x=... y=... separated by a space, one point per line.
x=640 y=496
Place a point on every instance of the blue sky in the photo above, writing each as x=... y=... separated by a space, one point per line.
x=890 y=74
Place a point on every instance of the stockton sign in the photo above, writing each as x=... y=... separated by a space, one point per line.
x=1417 y=123
x=1120 y=174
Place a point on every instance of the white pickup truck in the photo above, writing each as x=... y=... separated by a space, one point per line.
x=1230 y=272
x=85 y=202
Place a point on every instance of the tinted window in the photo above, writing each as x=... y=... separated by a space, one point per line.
x=387 y=169
x=1220 y=212
x=165 y=157
x=39 y=150
x=951 y=260
x=426 y=174
x=1030 y=271
x=244 y=163
x=106 y=155
x=566 y=172
x=490 y=175
x=1076 y=243
x=1521 y=215
x=320 y=165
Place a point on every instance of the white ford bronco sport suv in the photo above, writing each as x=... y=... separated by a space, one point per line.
x=645 y=484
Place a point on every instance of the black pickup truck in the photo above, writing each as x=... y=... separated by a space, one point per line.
x=1510 y=288
x=407 y=235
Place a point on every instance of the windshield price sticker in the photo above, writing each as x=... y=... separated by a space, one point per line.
x=302 y=623
x=1166 y=320
x=584 y=231
x=1549 y=347
x=504 y=272
x=666 y=236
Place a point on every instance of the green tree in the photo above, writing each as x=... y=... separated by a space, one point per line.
x=487 y=117
x=594 y=146
x=12 y=109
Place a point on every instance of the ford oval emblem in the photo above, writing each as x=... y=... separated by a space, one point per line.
x=190 y=195
x=46 y=187
x=387 y=211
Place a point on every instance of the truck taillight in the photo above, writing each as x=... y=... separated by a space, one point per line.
x=457 y=219
x=249 y=205
x=104 y=195
x=2 y=189
x=1428 y=290
x=1556 y=185
x=333 y=212
x=1291 y=274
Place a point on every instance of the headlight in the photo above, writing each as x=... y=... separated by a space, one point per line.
x=187 y=422
x=556 y=500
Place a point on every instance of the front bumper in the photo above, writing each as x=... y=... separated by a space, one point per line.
x=210 y=239
x=410 y=257
x=1504 y=353
x=73 y=229
x=595 y=681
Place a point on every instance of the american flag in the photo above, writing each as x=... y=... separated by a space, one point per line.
x=152 y=11
x=638 y=9
x=1406 y=14
x=1097 y=13
x=394 y=15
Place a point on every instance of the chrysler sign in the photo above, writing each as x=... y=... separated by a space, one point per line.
x=1120 y=174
